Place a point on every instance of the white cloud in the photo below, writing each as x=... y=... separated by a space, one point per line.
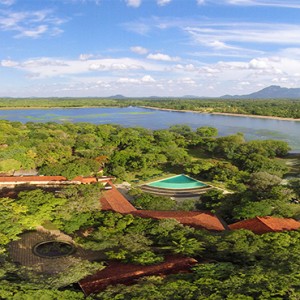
x=128 y=80
x=242 y=39
x=183 y=68
x=85 y=56
x=243 y=83
x=186 y=81
x=258 y=64
x=139 y=50
x=97 y=66
x=9 y=63
x=114 y=67
x=43 y=62
x=210 y=69
x=163 y=2
x=240 y=2
x=138 y=27
x=106 y=75
x=52 y=67
x=162 y=57
x=148 y=78
x=290 y=52
x=97 y=2
x=280 y=80
x=33 y=33
x=7 y=2
x=134 y=3
x=200 y=2
x=273 y=3
x=218 y=45
x=31 y=24
x=223 y=35
x=223 y=38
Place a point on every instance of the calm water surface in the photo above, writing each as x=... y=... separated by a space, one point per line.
x=253 y=128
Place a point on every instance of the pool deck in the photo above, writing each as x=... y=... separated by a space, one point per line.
x=177 y=193
x=187 y=191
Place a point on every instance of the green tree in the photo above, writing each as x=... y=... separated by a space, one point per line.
x=39 y=204
x=294 y=184
x=78 y=270
x=186 y=246
x=152 y=202
x=228 y=145
x=10 y=164
x=23 y=291
x=252 y=209
x=199 y=167
x=259 y=163
x=81 y=202
x=207 y=131
x=12 y=214
x=211 y=200
x=262 y=182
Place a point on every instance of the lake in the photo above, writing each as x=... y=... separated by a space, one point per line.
x=253 y=128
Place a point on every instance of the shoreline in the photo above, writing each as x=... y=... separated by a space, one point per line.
x=55 y=107
x=224 y=114
x=156 y=108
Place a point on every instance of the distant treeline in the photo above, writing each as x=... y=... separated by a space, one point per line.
x=284 y=108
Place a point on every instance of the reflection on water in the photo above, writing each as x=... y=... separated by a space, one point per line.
x=253 y=128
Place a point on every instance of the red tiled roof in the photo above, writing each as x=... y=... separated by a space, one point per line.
x=13 y=179
x=113 y=200
x=105 y=178
x=85 y=179
x=198 y=219
x=262 y=225
x=119 y=273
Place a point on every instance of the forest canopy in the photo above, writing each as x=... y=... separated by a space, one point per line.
x=232 y=264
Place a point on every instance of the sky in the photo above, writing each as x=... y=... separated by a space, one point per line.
x=142 y=48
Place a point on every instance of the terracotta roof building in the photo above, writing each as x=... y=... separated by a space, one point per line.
x=85 y=180
x=31 y=179
x=13 y=180
x=88 y=180
x=113 y=200
x=198 y=219
x=262 y=225
x=119 y=273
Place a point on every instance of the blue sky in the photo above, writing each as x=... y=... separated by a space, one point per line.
x=147 y=47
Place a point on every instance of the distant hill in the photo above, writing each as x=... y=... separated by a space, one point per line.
x=117 y=97
x=190 y=97
x=270 y=92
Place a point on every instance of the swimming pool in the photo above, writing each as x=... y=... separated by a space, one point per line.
x=178 y=182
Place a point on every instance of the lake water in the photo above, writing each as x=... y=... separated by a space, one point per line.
x=253 y=128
